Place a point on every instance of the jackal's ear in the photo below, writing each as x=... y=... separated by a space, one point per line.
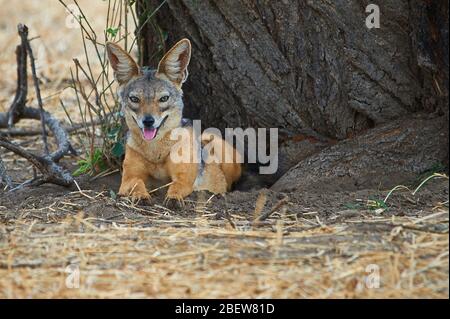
x=173 y=66
x=122 y=63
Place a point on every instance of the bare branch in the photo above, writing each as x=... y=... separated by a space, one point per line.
x=52 y=173
x=26 y=132
x=23 y=32
x=47 y=165
x=16 y=108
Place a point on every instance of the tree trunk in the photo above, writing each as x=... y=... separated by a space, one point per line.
x=318 y=73
x=386 y=156
x=305 y=66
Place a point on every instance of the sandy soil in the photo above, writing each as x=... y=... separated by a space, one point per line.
x=310 y=245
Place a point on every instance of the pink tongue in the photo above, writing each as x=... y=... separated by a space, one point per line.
x=149 y=133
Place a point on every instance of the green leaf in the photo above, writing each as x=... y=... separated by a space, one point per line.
x=165 y=35
x=118 y=149
x=97 y=156
x=101 y=165
x=91 y=163
x=112 y=31
x=374 y=204
x=82 y=162
x=83 y=169
x=112 y=134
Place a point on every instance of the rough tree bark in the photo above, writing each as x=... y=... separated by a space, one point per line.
x=310 y=67
x=381 y=158
x=302 y=64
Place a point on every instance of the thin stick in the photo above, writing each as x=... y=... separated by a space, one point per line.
x=23 y=32
x=137 y=33
x=157 y=189
x=435 y=175
x=81 y=192
x=104 y=174
x=71 y=129
x=16 y=108
x=274 y=208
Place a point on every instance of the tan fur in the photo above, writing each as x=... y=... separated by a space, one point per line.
x=151 y=159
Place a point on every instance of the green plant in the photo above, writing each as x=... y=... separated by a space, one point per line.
x=103 y=133
x=112 y=31
x=116 y=138
x=424 y=181
x=96 y=100
x=370 y=204
x=92 y=164
x=377 y=204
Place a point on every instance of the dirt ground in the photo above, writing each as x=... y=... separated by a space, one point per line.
x=311 y=245
x=248 y=244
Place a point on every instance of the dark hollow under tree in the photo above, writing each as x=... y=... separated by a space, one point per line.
x=307 y=67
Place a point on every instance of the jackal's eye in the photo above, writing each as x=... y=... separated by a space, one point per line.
x=165 y=98
x=134 y=99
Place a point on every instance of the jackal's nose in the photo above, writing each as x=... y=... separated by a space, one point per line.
x=148 y=121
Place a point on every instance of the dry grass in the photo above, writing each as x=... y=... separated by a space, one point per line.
x=123 y=250
x=150 y=251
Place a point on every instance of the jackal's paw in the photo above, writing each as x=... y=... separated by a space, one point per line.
x=135 y=189
x=178 y=191
x=176 y=194
x=173 y=203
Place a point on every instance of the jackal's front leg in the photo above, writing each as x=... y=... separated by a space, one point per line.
x=135 y=176
x=183 y=176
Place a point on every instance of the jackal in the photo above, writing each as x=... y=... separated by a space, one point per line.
x=152 y=104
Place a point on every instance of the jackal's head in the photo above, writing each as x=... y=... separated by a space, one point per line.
x=151 y=100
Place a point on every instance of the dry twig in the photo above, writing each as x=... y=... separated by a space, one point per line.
x=51 y=172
